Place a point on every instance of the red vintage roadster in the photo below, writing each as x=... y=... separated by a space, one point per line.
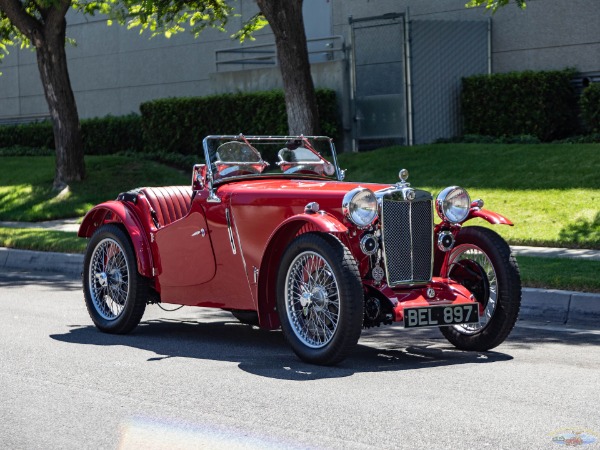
x=287 y=243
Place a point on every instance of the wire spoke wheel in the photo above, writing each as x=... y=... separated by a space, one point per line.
x=319 y=298
x=312 y=300
x=483 y=263
x=115 y=293
x=109 y=276
x=470 y=252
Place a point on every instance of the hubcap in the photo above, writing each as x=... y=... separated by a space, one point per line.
x=109 y=279
x=312 y=299
x=488 y=305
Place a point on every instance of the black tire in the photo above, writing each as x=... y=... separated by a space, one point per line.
x=323 y=325
x=115 y=293
x=490 y=271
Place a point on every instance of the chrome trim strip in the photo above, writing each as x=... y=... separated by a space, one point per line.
x=242 y=255
x=230 y=231
x=239 y=242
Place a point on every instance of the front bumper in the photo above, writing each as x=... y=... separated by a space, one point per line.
x=438 y=292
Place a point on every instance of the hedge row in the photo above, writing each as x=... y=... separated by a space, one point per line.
x=110 y=135
x=35 y=135
x=100 y=136
x=590 y=107
x=542 y=104
x=178 y=125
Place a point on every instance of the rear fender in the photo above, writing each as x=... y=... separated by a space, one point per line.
x=278 y=242
x=120 y=213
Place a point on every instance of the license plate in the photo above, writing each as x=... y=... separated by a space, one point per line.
x=439 y=316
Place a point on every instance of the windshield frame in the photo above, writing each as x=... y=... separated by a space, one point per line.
x=213 y=179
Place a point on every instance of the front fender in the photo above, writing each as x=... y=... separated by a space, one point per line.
x=492 y=217
x=325 y=223
x=119 y=212
x=276 y=245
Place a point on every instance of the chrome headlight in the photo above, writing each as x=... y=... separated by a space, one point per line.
x=360 y=207
x=453 y=204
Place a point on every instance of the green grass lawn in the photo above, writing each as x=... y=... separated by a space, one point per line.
x=551 y=192
x=560 y=273
x=26 y=185
x=42 y=240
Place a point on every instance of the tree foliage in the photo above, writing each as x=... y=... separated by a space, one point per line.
x=164 y=17
x=494 y=5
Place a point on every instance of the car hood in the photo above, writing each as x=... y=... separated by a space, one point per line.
x=291 y=192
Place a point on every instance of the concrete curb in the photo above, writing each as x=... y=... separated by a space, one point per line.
x=545 y=305
x=67 y=263
x=561 y=307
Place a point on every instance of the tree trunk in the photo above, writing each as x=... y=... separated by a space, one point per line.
x=45 y=26
x=287 y=23
x=52 y=64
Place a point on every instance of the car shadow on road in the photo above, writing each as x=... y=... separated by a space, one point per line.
x=16 y=279
x=528 y=335
x=266 y=354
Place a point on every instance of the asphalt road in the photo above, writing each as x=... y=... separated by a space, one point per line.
x=196 y=378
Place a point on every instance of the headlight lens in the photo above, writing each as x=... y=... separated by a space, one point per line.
x=360 y=207
x=453 y=204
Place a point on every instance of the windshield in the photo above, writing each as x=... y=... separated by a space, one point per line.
x=240 y=156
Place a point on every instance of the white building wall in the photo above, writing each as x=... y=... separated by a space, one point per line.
x=548 y=34
x=113 y=69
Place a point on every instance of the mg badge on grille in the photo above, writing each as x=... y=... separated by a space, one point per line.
x=430 y=293
x=377 y=273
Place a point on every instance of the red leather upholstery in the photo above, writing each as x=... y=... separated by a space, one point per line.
x=170 y=203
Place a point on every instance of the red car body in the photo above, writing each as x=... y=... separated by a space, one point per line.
x=219 y=243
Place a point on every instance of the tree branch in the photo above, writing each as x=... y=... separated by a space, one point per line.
x=20 y=19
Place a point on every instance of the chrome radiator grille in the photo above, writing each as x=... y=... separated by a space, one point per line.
x=407 y=240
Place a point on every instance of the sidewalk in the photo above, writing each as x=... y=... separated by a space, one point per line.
x=59 y=225
x=541 y=305
x=552 y=252
x=544 y=252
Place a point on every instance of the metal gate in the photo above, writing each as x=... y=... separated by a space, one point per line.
x=378 y=71
x=406 y=77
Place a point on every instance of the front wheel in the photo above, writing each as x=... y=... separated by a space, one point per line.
x=115 y=293
x=482 y=262
x=319 y=298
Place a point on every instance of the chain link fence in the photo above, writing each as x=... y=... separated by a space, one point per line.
x=407 y=91
x=379 y=87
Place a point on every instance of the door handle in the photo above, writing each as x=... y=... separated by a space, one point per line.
x=202 y=232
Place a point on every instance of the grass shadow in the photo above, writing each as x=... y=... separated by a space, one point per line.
x=26 y=185
x=582 y=231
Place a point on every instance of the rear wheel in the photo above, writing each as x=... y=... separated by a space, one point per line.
x=115 y=293
x=482 y=262
x=319 y=298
